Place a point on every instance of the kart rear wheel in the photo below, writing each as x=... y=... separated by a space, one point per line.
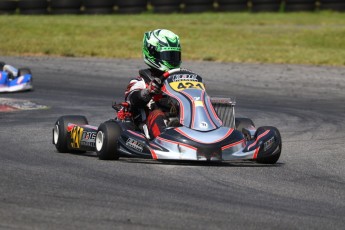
x=243 y=122
x=243 y=125
x=2 y=64
x=60 y=139
x=23 y=71
x=107 y=137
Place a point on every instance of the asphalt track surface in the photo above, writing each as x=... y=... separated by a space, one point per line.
x=43 y=189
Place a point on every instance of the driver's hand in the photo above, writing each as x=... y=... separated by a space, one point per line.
x=155 y=86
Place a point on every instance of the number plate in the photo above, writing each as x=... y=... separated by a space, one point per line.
x=182 y=85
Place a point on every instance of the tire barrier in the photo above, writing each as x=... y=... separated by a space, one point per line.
x=300 y=5
x=266 y=5
x=198 y=6
x=334 y=5
x=232 y=5
x=166 y=6
x=65 y=6
x=8 y=7
x=131 y=6
x=98 y=6
x=33 y=7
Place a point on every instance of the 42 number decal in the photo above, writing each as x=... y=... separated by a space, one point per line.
x=182 y=85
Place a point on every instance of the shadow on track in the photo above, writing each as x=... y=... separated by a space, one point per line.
x=133 y=160
x=238 y=164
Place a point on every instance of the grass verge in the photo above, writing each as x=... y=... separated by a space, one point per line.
x=296 y=38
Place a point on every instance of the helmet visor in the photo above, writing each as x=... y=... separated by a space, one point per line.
x=170 y=56
x=171 y=59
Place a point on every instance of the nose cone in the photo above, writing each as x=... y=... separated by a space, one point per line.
x=209 y=154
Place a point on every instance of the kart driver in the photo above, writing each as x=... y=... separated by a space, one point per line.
x=12 y=72
x=161 y=52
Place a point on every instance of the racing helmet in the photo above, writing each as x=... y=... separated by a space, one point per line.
x=162 y=49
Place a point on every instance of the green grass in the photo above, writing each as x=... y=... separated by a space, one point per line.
x=299 y=38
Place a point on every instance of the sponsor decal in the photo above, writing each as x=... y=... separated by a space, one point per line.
x=134 y=144
x=268 y=144
x=89 y=136
x=185 y=77
x=221 y=100
x=89 y=144
x=257 y=139
x=203 y=125
x=20 y=80
x=88 y=139
x=76 y=135
x=198 y=103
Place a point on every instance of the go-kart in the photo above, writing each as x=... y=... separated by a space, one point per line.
x=22 y=81
x=203 y=129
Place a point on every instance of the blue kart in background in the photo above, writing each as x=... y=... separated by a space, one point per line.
x=14 y=80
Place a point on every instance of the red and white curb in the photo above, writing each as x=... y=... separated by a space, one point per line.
x=10 y=104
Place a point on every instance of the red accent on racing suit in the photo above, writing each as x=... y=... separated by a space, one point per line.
x=138 y=97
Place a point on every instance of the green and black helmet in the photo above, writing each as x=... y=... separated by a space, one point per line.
x=162 y=49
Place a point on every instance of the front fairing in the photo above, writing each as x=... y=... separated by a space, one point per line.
x=5 y=81
x=24 y=79
x=195 y=108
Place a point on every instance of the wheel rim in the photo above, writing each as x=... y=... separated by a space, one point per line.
x=56 y=134
x=99 y=140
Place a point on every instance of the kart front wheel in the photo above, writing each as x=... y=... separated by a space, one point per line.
x=60 y=139
x=107 y=137
x=270 y=157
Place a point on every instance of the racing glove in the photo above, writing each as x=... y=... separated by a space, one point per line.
x=155 y=86
x=152 y=89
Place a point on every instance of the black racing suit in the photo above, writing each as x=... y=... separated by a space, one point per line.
x=138 y=96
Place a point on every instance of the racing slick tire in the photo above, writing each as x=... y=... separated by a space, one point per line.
x=30 y=7
x=333 y=6
x=8 y=7
x=198 y=2
x=233 y=7
x=131 y=3
x=226 y=2
x=299 y=7
x=167 y=6
x=98 y=11
x=98 y=6
x=166 y=9
x=270 y=159
x=59 y=7
x=131 y=10
x=107 y=137
x=60 y=139
x=243 y=122
x=65 y=4
x=98 y=3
